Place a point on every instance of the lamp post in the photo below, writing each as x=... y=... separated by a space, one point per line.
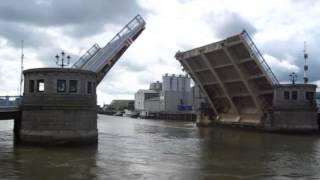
x=293 y=77
x=63 y=63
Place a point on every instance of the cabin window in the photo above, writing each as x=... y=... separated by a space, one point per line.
x=309 y=95
x=286 y=95
x=73 y=86
x=31 y=86
x=40 y=85
x=294 y=95
x=61 y=85
x=89 y=87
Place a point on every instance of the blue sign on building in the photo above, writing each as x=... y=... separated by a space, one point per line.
x=184 y=108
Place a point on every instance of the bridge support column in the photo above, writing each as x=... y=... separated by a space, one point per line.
x=17 y=127
x=203 y=120
x=205 y=116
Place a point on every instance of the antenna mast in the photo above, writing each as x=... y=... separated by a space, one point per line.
x=305 y=55
x=21 y=75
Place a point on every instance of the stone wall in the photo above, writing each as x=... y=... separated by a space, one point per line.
x=293 y=120
x=290 y=113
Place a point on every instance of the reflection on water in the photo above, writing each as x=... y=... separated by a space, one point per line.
x=252 y=155
x=153 y=149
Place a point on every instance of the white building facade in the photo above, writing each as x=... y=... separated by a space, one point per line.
x=174 y=96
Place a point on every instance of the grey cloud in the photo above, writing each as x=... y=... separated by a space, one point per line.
x=294 y=48
x=79 y=18
x=1 y=74
x=61 y=12
x=84 y=30
x=6 y=79
x=131 y=66
x=284 y=76
x=230 y=23
x=47 y=56
x=15 y=32
x=146 y=81
x=147 y=78
x=135 y=67
x=109 y=84
x=280 y=50
x=112 y=89
x=308 y=3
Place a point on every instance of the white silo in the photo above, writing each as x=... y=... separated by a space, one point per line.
x=187 y=81
x=166 y=82
x=174 y=83
x=180 y=83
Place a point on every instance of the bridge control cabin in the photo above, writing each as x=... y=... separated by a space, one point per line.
x=240 y=86
x=294 y=108
x=59 y=105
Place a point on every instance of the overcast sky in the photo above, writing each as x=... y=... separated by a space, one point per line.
x=279 y=28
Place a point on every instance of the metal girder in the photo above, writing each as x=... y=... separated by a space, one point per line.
x=254 y=97
x=205 y=59
x=200 y=84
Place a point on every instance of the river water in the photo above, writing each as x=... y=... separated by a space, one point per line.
x=154 y=149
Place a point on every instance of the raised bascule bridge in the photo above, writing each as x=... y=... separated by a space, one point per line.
x=242 y=89
x=59 y=105
x=101 y=60
x=234 y=76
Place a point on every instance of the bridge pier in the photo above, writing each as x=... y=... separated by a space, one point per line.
x=205 y=116
x=203 y=120
x=17 y=127
x=58 y=107
x=9 y=113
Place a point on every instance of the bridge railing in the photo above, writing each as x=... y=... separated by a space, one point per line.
x=260 y=58
x=10 y=101
x=86 y=56
x=124 y=37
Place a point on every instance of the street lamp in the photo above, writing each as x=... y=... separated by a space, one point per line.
x=293 y=77
x=61 y=59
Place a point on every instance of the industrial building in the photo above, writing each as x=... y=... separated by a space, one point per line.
x=242 y=90
x=144 y=95
x=172 y=96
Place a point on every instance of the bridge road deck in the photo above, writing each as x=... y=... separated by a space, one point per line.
x=9 y=113
x=10 y=107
